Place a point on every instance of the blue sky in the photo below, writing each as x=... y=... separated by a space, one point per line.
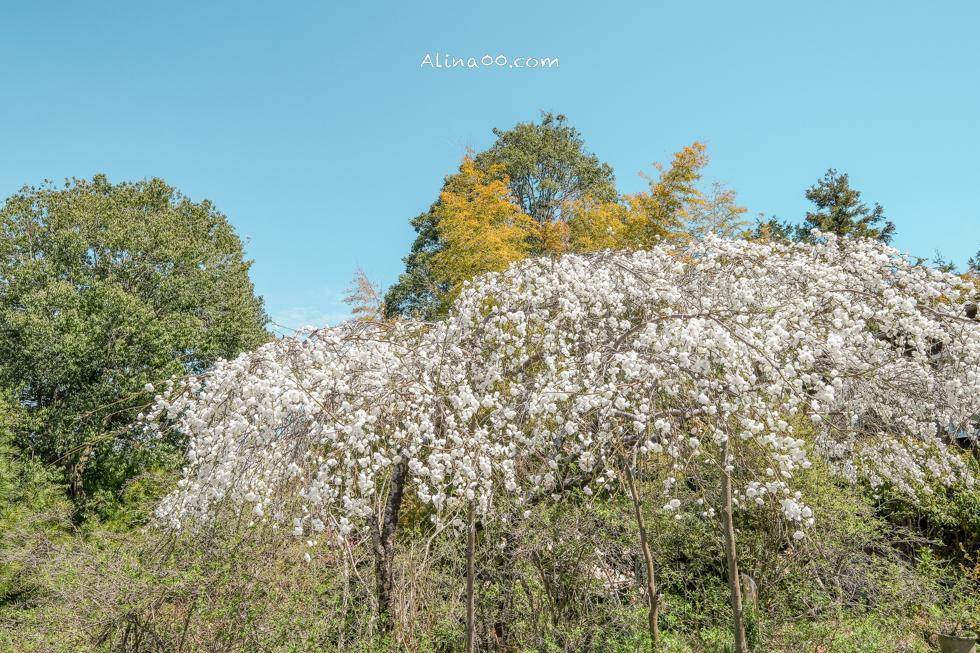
x=315 y=129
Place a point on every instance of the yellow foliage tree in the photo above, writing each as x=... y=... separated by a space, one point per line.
x=673 y=209
x=478 y=226
x=554 y=238
x=595 y=225
x=481 y=228
x=659 y=213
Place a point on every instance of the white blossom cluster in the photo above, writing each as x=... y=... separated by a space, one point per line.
x=550 y=375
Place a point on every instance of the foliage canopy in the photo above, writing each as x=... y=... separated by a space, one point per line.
x=842 y=213
x=105 y=288
x=550 y=197
x=545 y=169
x=548 y=167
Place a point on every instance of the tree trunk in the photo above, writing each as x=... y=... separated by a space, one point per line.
x=653 y=596
x=728 y=532
x=76 y=488
x=383 y=540
x=470 y=573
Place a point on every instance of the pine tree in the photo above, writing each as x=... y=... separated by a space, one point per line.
x=842 y=213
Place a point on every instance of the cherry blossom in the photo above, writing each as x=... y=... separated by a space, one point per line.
x=552 y=375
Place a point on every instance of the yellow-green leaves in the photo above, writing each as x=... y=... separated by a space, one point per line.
x=674 y=208
x=596 y=225
x=658 y=214
x=481 y=228
x=538 y=192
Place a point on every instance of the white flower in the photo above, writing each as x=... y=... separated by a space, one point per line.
x=791 y=324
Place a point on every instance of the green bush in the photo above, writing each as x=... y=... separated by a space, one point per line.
x=859 y=583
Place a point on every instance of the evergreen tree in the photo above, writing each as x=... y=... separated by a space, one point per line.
x=417 y=291
x=842 y=213
x=974 y=263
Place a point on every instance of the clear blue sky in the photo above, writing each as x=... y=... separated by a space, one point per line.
x=314 y=128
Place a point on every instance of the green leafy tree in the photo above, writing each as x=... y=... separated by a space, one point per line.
x=842 y=213
x=548 y=167
x=105 y=288
x=419 y=289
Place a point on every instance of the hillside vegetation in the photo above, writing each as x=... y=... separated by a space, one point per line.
x=580 y=421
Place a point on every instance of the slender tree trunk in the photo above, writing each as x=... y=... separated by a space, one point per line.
x=653 y=596
x=470 y=574
x=383 y=540
x=728 y=532
x=76 y=488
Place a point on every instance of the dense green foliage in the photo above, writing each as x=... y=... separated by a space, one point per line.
x=548 y=167
x=27 y=487
x=104 y=288
x=418 y=290
x=566 y=578
x=841 y=212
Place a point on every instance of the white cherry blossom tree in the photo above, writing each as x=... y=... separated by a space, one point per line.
x=559 y=374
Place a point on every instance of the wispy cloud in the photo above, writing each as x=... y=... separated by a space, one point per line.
x=298 y=317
